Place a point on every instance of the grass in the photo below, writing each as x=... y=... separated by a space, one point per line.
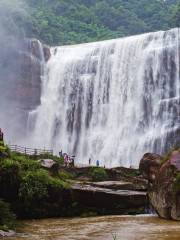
x=114 y=236
x=98 y=174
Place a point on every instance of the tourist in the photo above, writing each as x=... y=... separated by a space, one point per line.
x=72 y=161
x=65 y=159
x=68 y=161
x=97 y=163
x=89 y=161
x=1 y=135
x=60 y=154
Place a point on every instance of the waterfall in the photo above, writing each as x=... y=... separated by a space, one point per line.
x=113 y=100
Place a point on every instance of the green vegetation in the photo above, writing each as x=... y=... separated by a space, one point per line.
x=7 y=218
x=64 y=175
x=175 y=20
x=98 y=174
x=114 y=236
x=28 y=188
x=58 y=22
x=3 y=148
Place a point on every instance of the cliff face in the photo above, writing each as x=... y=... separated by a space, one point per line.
x=28 y=88
x=21 y=68
x=164 y=183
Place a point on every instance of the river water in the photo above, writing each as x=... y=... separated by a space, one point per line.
x=141 y=227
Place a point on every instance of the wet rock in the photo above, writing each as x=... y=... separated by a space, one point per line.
x=149 y=165
x=47 y=52
x=21 y=83
x=108 y=200
x=47 y=163
x=119 y=185
x=164 y=186
x=9 y=233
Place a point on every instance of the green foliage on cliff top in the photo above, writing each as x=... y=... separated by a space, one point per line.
x=58 y=22
x=26 y=185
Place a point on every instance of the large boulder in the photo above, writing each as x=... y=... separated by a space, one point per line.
x=149 y=165
x=163 y=175
x=105 y=199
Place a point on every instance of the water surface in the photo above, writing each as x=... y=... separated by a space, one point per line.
x=100 y=228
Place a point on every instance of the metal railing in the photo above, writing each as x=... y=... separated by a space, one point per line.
x=29 y=151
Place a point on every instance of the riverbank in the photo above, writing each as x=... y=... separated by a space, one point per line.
x=100 y=228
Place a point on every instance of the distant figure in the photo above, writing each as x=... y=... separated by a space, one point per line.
x=60 y=154
x=89 y=161
x=97 y=163
x=72 y=161
x=1 y=135
x=65 y=159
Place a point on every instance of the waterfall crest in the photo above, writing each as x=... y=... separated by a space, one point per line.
x=112 y=100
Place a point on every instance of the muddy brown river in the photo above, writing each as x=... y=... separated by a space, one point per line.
x=100 y=228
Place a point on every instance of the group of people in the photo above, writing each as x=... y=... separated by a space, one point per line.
x=68 y=160
x=1 y=135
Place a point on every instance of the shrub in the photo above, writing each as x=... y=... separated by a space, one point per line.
x=7 y=218
x=98 y=174
x=4 y=150
x=9 y=171
x=35 y=185
x=64 y=175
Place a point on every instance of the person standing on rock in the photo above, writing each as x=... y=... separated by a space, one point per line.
x=61 y=154
x=1 y=135
x=65 y=159
x=97 y=163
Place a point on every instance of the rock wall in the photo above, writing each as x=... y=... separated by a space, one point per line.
x=22 y=69
x=164 y=183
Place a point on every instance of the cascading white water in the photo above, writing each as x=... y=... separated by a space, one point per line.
x=112 y=100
